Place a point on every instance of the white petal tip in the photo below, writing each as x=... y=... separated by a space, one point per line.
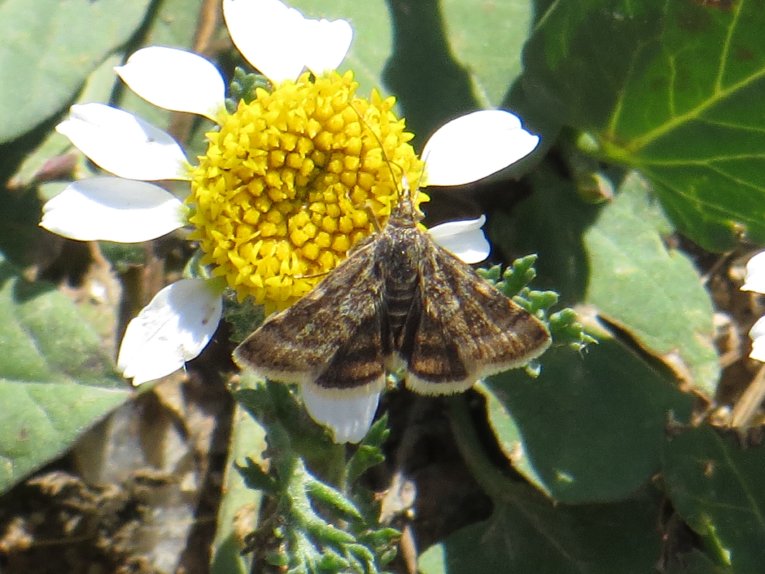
x=124 y=144
x=173 y=328
x=475 y=146
x=465 y=239
x=175 y=80
x=113 y=209
x=286 y=42
x=347 y=415
x=755 y=274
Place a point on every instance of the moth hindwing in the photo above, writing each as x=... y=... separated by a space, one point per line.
x=399 y=300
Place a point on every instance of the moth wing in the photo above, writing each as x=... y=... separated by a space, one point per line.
x=463 y=328
x=330 y=338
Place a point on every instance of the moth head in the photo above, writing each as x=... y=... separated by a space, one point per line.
x=405 y=210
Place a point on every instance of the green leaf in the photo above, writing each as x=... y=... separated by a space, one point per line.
x=332 y=498
x=716 y=486
x=527 y=533
x=518 y=275
x=650 y=291
x=55 y=382
x=590 y=427
x=671 y=88
x=487 y=40
x=49 y=47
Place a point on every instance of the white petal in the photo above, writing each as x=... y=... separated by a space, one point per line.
x=330 y=41
x=123 y=144
x=348 y=416
x=175 y=80
x=172 y=329
x=113 y=209
x=280 y=42
x=757 y=334
x=755 y=274
x=465 y=239
x=474 y=146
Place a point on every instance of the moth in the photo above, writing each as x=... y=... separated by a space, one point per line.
x=399 y=302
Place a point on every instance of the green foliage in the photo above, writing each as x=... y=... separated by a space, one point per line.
x=566 y=539
x=589 y=428
x=248 y=441
x=639 y=284
x=715 y=484
x=55 y=379
x=528 y=533
x=123 y=256
x=314 y=527
x=47 y=53
x=243 y=317
x=660 y=86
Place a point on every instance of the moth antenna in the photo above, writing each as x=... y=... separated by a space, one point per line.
x=388 y=162
x=372 y=218
x=311 y=275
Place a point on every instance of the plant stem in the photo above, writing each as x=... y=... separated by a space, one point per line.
x=336 y=468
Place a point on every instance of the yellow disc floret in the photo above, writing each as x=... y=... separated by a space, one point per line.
x=293 y=180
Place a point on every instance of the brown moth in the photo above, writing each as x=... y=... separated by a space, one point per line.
x=399 y=301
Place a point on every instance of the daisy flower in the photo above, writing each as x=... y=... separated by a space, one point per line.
x=289 y=182
x=755 y=281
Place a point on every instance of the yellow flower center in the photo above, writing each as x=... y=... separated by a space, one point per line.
x=293 y=180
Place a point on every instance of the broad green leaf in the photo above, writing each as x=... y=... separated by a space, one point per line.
x=49 y=47
x=487 y=40
x=653 y=293
x=671 y=88
x=590 y=427
x=527 y=533
x=715 y=485
x=55 y=381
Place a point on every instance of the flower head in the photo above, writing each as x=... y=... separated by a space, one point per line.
x=289 y=182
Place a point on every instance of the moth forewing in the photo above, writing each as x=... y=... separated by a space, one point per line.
x=466 y=328
x=307 y=342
